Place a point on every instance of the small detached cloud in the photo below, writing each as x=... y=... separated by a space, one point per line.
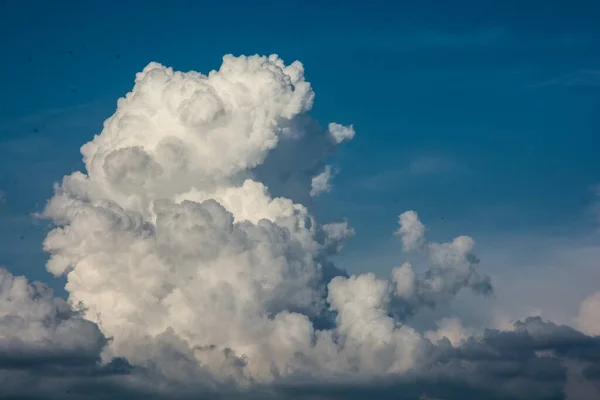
x=320 y=183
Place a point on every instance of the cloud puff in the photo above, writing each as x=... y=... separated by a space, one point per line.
x=186 y=242
x=588 y=320
x=320 y=183
x=451 y=329
x=29 y=313
x=169 y=238
x=43 y=340
x=411 y=231
x=171 y=242
x=531 y=361
x=453 y=266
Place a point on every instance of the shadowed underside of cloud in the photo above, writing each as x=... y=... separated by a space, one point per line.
x=196 y=270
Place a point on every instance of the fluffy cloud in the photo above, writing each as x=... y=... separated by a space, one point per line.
x=588 y=320
x=451 y=329
x=31 y=314
x=453 y=266
x=411 y=231
x=189 y=242
x=46 y=344
x=320 y=183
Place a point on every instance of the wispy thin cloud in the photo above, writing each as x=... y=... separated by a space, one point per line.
x=421 y=166
x=44 y=116
x=425 y=397
x=584 y=77
x=479 y=37
x=409 y=39
x=435 y=165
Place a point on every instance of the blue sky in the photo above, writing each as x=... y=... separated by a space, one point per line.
x=481 y=116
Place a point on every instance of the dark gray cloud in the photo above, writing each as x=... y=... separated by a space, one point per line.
x=534 y=361
x=45 y=345
x=48 y=351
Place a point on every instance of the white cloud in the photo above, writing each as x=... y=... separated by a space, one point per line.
x=588 y=320
x=184 y=249
x=453 y=265
x=45 y=345
x=450 y=328
x=411 y=231
x=405 y=279
x=341 y=133
x=169 y=242
x=320 y=183
x=30 y=314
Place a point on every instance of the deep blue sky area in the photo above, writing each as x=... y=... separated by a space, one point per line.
x=483 y=116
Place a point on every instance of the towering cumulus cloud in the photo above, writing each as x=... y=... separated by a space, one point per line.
x=189 y=248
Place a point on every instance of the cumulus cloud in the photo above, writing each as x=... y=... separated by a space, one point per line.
x=453 y=266
x=170 y=241
x=31 y=314
x=320 y=183
x=45 y=343
x=196 y=268
x=341 y=133
x=451 y=329
x=536 y=359
x=411 y=231
x=588 y=319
